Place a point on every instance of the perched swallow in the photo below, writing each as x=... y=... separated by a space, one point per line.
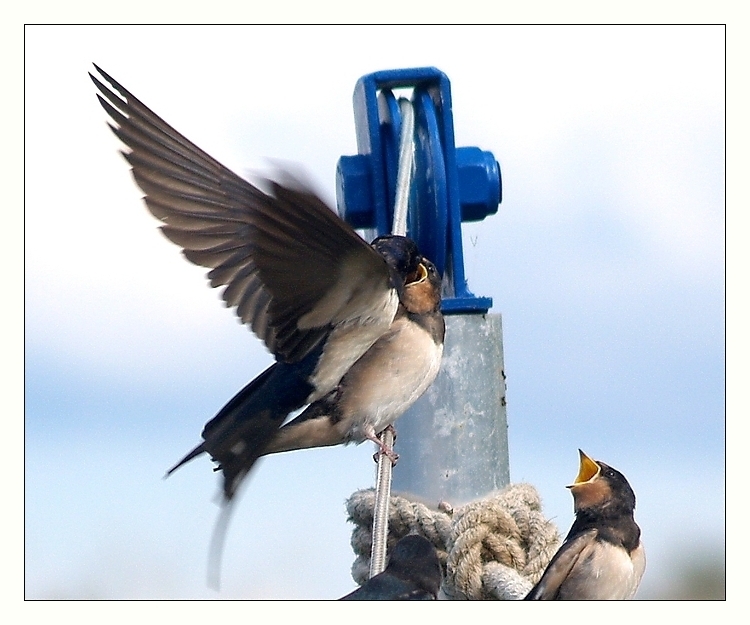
x=356 y=329
x=602 y=556
x=412 y=574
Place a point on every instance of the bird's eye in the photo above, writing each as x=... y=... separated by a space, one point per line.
x=610 y=473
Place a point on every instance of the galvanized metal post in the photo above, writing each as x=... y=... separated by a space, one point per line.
x=453 y=442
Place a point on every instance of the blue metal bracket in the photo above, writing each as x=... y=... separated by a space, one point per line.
x=449 y=184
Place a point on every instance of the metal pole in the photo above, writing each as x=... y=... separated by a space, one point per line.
x=453 y=442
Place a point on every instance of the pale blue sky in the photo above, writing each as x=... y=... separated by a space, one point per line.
x=606 y=260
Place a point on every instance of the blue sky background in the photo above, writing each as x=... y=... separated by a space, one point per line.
x=605 y=259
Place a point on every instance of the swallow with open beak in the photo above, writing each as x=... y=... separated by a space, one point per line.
x=602 y=556
x=413 y=574
x=356 y=329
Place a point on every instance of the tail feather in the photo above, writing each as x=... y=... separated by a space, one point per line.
x=193 y=454
x=216 y=549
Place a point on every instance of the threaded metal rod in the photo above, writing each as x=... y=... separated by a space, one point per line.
x=385 y=466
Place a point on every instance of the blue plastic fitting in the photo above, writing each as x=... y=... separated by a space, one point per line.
x=449 y=185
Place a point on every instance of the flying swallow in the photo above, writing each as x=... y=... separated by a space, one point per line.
x=412 y=574
x=356 y=329
x=602 y=556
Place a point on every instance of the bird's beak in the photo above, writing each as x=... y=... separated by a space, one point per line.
x=418 y=276
x=587 y=470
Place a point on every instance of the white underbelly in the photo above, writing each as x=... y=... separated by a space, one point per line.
x=391 y=377
x=610 y=574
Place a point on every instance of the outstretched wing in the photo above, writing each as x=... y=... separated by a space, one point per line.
x=291 y=266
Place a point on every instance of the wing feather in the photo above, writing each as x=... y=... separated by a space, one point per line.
x=561 y=565
x=278 y=253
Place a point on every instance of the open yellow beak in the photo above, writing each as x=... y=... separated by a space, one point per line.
x=587 y=470
x=419 y=275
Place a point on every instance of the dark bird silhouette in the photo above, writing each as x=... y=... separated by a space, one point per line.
x=356 y=329
x=602 y=556
x=413 y=574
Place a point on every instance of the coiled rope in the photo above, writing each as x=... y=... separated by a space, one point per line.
x=496 y=547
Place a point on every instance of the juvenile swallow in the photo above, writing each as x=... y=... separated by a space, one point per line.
x=356 y=329
x=602 y=556
x=412 y=574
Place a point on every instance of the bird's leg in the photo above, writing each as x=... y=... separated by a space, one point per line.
x=384 y=449
x=392 y=430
